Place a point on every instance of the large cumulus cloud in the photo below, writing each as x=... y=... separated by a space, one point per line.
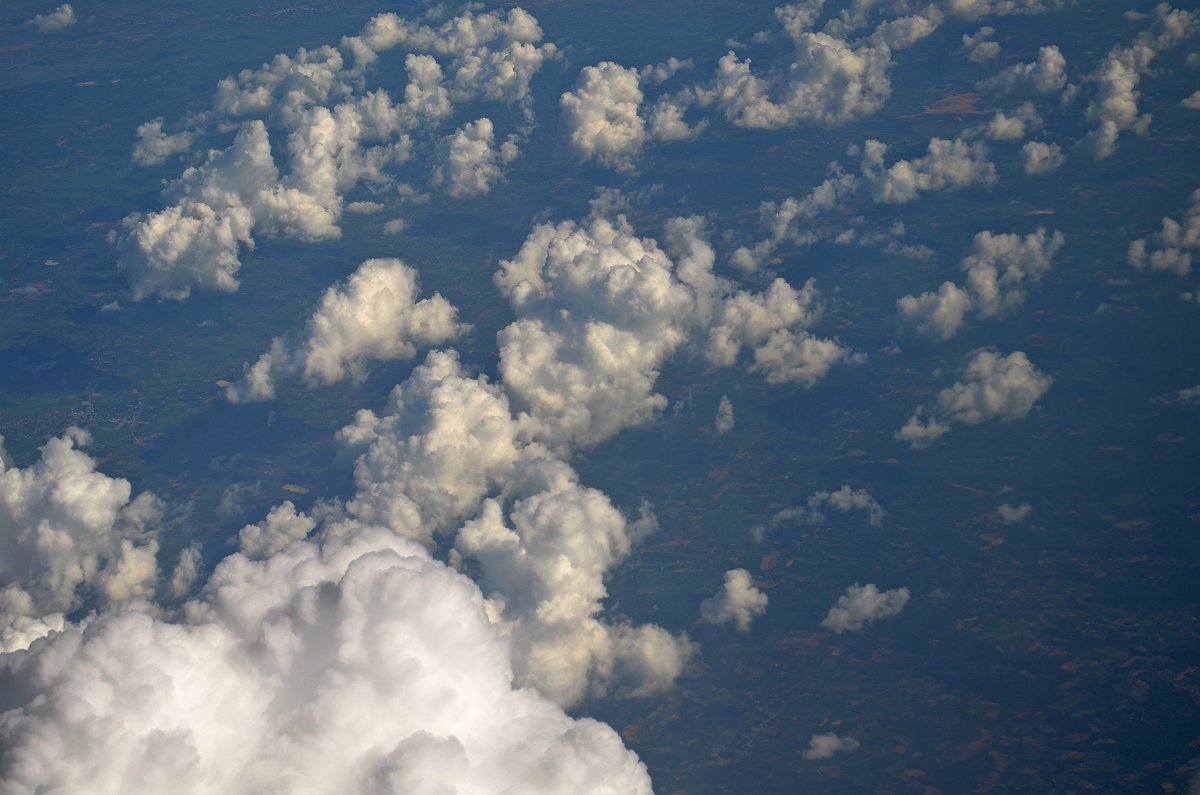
x=351 y=664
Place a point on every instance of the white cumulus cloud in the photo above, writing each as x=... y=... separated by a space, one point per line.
x=823 y=746
x=1170 y=248
x=992 y=387
x=58 y=19
x=863 y=605
x=374 y=316
x=738 y=602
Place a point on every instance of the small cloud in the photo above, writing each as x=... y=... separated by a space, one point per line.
x=823 y=746
x=724 y=421
x=1013 y=514
x=863 y=605
x=737 y=602
x=61 y=17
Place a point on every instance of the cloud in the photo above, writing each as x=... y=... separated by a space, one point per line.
x=785 y=221
x=1038 y=157
x=600 y=118
x=662 y=72
x=339 y=137
x=998 y=268
x=373 y=316
x=70 y=535
x=823 y=746
x=947 y=165
x=353 y=664
x=1189 y=396
x=1003 y=127
x=412 y=469
x=972 y=9
x=826 y=80
x=1170 y=249
x=863 y=605
x=62 y=17
x=1192 y=101
x=1044 y=76
x=468 y=162
x=979 y=47
x=813 y=512
x=1114 y=109
x=282 y=526
x=154 y=146
x=992 y=387
x=1014 y=514
x=544 y=564
x=772 y=324
x=598 y=312
x=723 y=423
x=738 y=602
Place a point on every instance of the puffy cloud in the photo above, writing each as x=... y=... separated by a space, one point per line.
x=59 y=18
x=667 y=122
x=282 y=526
x=813 y=512
x=738 y=602
x=992 y=387
x=600 y=118
x=863 y=605
x=1192 y=101
x=491 y=56
x=1170 y=249
x=338 y=138
x=823 y=746
x=355 y=664
x=1044 y=76
x=979 y=47
x=1114 y=109
x=70 y=535
x=827 y=80
x=773 y=324
x=154 y=146
x=443 y=442
x=468 y=163
x=1003 y=127
x=723 y=423
x=1189 y=396
x=997 y=269
x=1013 y=514
x=941 y=314
x=599 y=310
x=544 y=566
x=1038 y=157
x=662 y=72
x=947 y=165
x=374 y=316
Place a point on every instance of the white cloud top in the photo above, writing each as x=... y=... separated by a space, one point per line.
x=823 y=746
x=863 y=605
x=70 y=535
x=993 y=387
x=60 y=18
x=1170 y=248
x=374 y=316
x=997 y=270
x=738 y=602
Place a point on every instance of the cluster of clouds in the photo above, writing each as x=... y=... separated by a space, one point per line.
x=1170 y=249
x=863 y=605
x=374 y=316
x=997 y=271
x=992 y=387
x=738 y=602
x=339 y=136
x=1114 y=109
